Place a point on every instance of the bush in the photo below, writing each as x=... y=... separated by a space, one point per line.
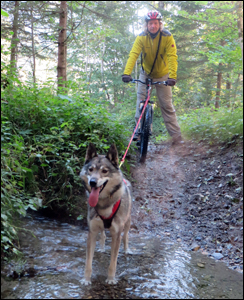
x=44 y=140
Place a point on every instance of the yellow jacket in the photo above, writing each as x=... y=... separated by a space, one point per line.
x=167 y=58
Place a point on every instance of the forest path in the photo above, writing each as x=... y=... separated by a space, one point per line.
x=193 y=193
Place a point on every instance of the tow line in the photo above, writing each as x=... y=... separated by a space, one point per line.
x=145 y=105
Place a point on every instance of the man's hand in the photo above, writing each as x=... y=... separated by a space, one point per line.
x=126 y=78
x=171 y=82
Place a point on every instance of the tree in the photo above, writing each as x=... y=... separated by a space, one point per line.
x=33 y=44
x=62 y=45
x=14 y=41
x=212 y=51
x=239 y=9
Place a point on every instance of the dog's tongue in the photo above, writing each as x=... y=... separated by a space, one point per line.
x=93 y=198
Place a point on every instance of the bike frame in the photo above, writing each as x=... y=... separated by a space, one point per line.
x=146 y=116
x=148 y=83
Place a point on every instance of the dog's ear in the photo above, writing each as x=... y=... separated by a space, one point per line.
x=112 y=155
x=90 y=152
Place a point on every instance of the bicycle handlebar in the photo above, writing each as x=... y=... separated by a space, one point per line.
x=152 y=83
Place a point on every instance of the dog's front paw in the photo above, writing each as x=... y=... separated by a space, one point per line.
x=85 y=281
x=111 y=281
x=128 y=251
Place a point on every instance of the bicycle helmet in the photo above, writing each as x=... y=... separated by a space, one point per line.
x=153 y=15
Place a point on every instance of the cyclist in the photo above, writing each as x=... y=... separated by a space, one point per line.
x=162 y=69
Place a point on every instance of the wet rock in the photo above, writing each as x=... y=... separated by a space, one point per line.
x=217 y=255
x=201 y=265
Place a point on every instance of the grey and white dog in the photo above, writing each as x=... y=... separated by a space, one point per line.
x=109 y=206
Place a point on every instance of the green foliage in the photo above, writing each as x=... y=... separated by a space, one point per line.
x=212 y=125
x=4 y=13
x=44 y=140
x=14 y=173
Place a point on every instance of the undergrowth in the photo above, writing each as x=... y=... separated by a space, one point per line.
x=207 y=124
x=211 y=125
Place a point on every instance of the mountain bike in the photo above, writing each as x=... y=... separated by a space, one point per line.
x=146 y=117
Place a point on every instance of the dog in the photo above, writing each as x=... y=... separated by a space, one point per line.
x=109 y=206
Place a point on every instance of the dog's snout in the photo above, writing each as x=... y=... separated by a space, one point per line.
x=93 y=182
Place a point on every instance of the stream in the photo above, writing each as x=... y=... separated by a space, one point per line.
x=54 y=260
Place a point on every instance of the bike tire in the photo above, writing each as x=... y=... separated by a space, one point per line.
x=145 y=133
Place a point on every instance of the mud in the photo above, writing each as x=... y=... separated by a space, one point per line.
x=193 y=193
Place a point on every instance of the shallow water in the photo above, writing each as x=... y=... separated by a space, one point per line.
x=158 y=268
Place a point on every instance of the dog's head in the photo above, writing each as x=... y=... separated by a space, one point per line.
x=112 y=155
x=98 y=171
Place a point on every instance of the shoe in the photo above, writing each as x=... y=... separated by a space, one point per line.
x=177 y=140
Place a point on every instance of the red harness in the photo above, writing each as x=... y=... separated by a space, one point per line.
x=107 y=221
x=114 y=210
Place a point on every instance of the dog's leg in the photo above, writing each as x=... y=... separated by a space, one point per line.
x=125 y=236
x=102 y=241
x=91 y=244
x=116 y=239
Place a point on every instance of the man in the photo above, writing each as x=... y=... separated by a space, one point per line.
x=164 y=69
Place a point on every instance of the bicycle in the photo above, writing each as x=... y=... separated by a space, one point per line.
x=146 y=118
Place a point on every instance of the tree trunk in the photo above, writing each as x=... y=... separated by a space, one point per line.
x=87 y=57
x=33 y=45
x=14 y=41
x=219 y=78
x=102 y=56
x=115 y=95
x=62 y=45
x=239 y=8
x=228 y=91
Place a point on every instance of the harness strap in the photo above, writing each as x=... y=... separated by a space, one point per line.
x=108 y=221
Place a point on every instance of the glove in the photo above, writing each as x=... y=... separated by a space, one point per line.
x=126 y=78
x=171 y=82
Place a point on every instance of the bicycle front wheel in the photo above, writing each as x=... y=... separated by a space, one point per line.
x=145 y=132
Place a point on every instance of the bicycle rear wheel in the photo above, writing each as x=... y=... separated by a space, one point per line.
x=145 y=132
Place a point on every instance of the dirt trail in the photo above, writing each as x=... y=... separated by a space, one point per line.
x=193 y=194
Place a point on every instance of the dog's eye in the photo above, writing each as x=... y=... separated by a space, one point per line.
x=104 y=171
x=91 y=169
